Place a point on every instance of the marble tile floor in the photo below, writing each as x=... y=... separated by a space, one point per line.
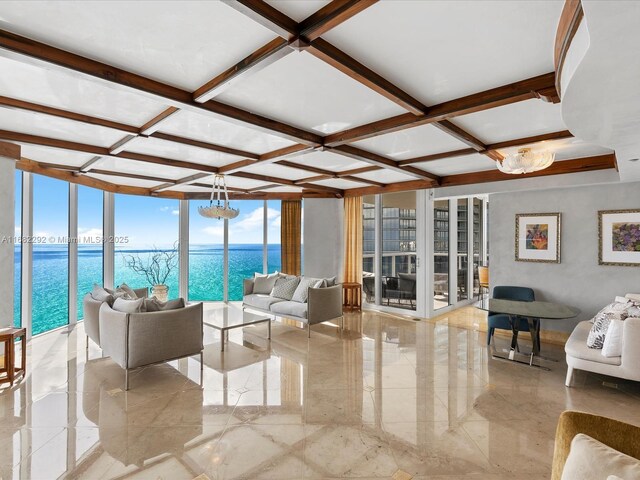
x=385 y=398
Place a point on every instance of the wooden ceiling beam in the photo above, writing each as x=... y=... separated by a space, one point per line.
x=256 y=61
x=89 y=164
x=181 y=181
x=495 y=97
x=135 y=176
x=380 y=161
x=40 y=53
x=267 y=16
x=205 y=145
x=349 y=66
x=438 y=156
x=330 y=16
x=154 y=124
x=266 y=158
x=10 y=150
x=57 y=112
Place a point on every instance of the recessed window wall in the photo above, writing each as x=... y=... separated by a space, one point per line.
x=440 y=254
x=246 y=239
x=206 y=254
x=90 y=242
x=274 y=255
x=50 y=277
x=462 y=261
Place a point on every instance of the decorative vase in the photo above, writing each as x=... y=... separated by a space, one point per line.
x=161 y=292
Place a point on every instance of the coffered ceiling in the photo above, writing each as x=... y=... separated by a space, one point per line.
x=286 y=98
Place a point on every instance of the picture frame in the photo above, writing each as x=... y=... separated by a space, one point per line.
x=619 y=238
x=538 y=237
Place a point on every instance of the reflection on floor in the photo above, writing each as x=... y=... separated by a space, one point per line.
x=386 y=398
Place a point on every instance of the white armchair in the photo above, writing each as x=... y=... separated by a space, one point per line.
x=580 y=356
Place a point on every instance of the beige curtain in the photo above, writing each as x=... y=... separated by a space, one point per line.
x=352 y=240
x=290 y=235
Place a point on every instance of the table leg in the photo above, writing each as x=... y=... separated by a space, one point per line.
x=533 y=329
x=269 y=323
x=222 y=340
x=515 y=323
x=9 y=354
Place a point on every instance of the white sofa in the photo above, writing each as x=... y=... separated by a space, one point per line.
x=580 y=356
x=323 y=304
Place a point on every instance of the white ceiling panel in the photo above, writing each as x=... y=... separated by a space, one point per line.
x=279 y=171
x=130 y=182
x=441 y=50
x=284 y=189
x=298 y=9
x=191 y=189
x=208 y=129
x=237 y=182
x=183 y=43
x=411 y=143
x=55 y=155
x=522 y=119
x=310 y=94
x=141 y=168
x=328 y=161
x=58 y=128
x=179 y=151
x=386 y=176
x=341 y=184
x=455 y=165
x=566 y=149
x=74 y=93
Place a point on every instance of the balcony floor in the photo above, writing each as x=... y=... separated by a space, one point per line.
x=383 y=397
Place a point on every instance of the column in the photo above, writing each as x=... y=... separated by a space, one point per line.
x=9 y=153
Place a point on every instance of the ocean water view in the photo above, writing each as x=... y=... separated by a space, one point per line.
x=51 y=269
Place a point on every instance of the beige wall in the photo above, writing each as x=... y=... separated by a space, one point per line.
x=7 y=230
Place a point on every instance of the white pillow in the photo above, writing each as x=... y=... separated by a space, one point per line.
x=264 y=283
x=621 y=300
x=590 y=459
x=633 y=296
x=128 y=306
x=612 y=346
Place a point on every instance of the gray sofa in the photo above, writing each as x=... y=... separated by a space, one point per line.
x=91 y=308
x=135 y=340
x=323 y=304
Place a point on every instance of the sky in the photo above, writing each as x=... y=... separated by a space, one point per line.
x=144 y=221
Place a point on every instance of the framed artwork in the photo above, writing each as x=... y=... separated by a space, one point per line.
x=619 y=237
x=538 y=237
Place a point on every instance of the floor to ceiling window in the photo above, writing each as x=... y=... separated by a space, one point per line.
x=463 y=249
x=50 y=277
x=146 y=230
x=440 y=254
x=399 y=250
x=477 y=243
x=368 y=248
x=274 y=256
x=246 y=240
x=17 y=252
x=206 y=251
x=90 y=246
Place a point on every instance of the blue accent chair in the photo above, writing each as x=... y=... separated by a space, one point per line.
x=499 y=320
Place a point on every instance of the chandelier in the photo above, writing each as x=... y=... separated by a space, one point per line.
x=525 y=161
x=221 y=209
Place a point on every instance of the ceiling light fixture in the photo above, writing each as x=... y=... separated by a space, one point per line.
x=525 y=161
x=221 y=209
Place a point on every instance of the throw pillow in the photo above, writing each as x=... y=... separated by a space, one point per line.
x=601 y=321
x=286 y=288
x=100 y=294
x=128 y=290
x=590 y=459
x=329 y=282
x=302 y=290
x=264 y=283
x=155 y=305
x=128 y=306
x=612 y=345
x=633 y=296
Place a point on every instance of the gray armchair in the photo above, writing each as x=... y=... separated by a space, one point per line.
x=135 y=340
x=91 y=308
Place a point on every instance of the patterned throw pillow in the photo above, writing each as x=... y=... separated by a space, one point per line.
x=602 y=320
x=285 y=288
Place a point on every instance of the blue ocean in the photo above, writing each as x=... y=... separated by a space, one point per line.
x=51 y=269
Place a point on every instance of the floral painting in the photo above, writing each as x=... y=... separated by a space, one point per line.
x=625 y=237
x=619 y=238
x=537 y=236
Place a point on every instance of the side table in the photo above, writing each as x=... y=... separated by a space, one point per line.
x=351 y=297
x=8 y=338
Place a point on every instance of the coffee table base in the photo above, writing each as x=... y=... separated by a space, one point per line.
x=224 y=331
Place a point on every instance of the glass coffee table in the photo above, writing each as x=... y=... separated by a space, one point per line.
x=226 y=317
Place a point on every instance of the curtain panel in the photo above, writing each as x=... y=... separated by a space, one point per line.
x=352 y=240
x=290 y=235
